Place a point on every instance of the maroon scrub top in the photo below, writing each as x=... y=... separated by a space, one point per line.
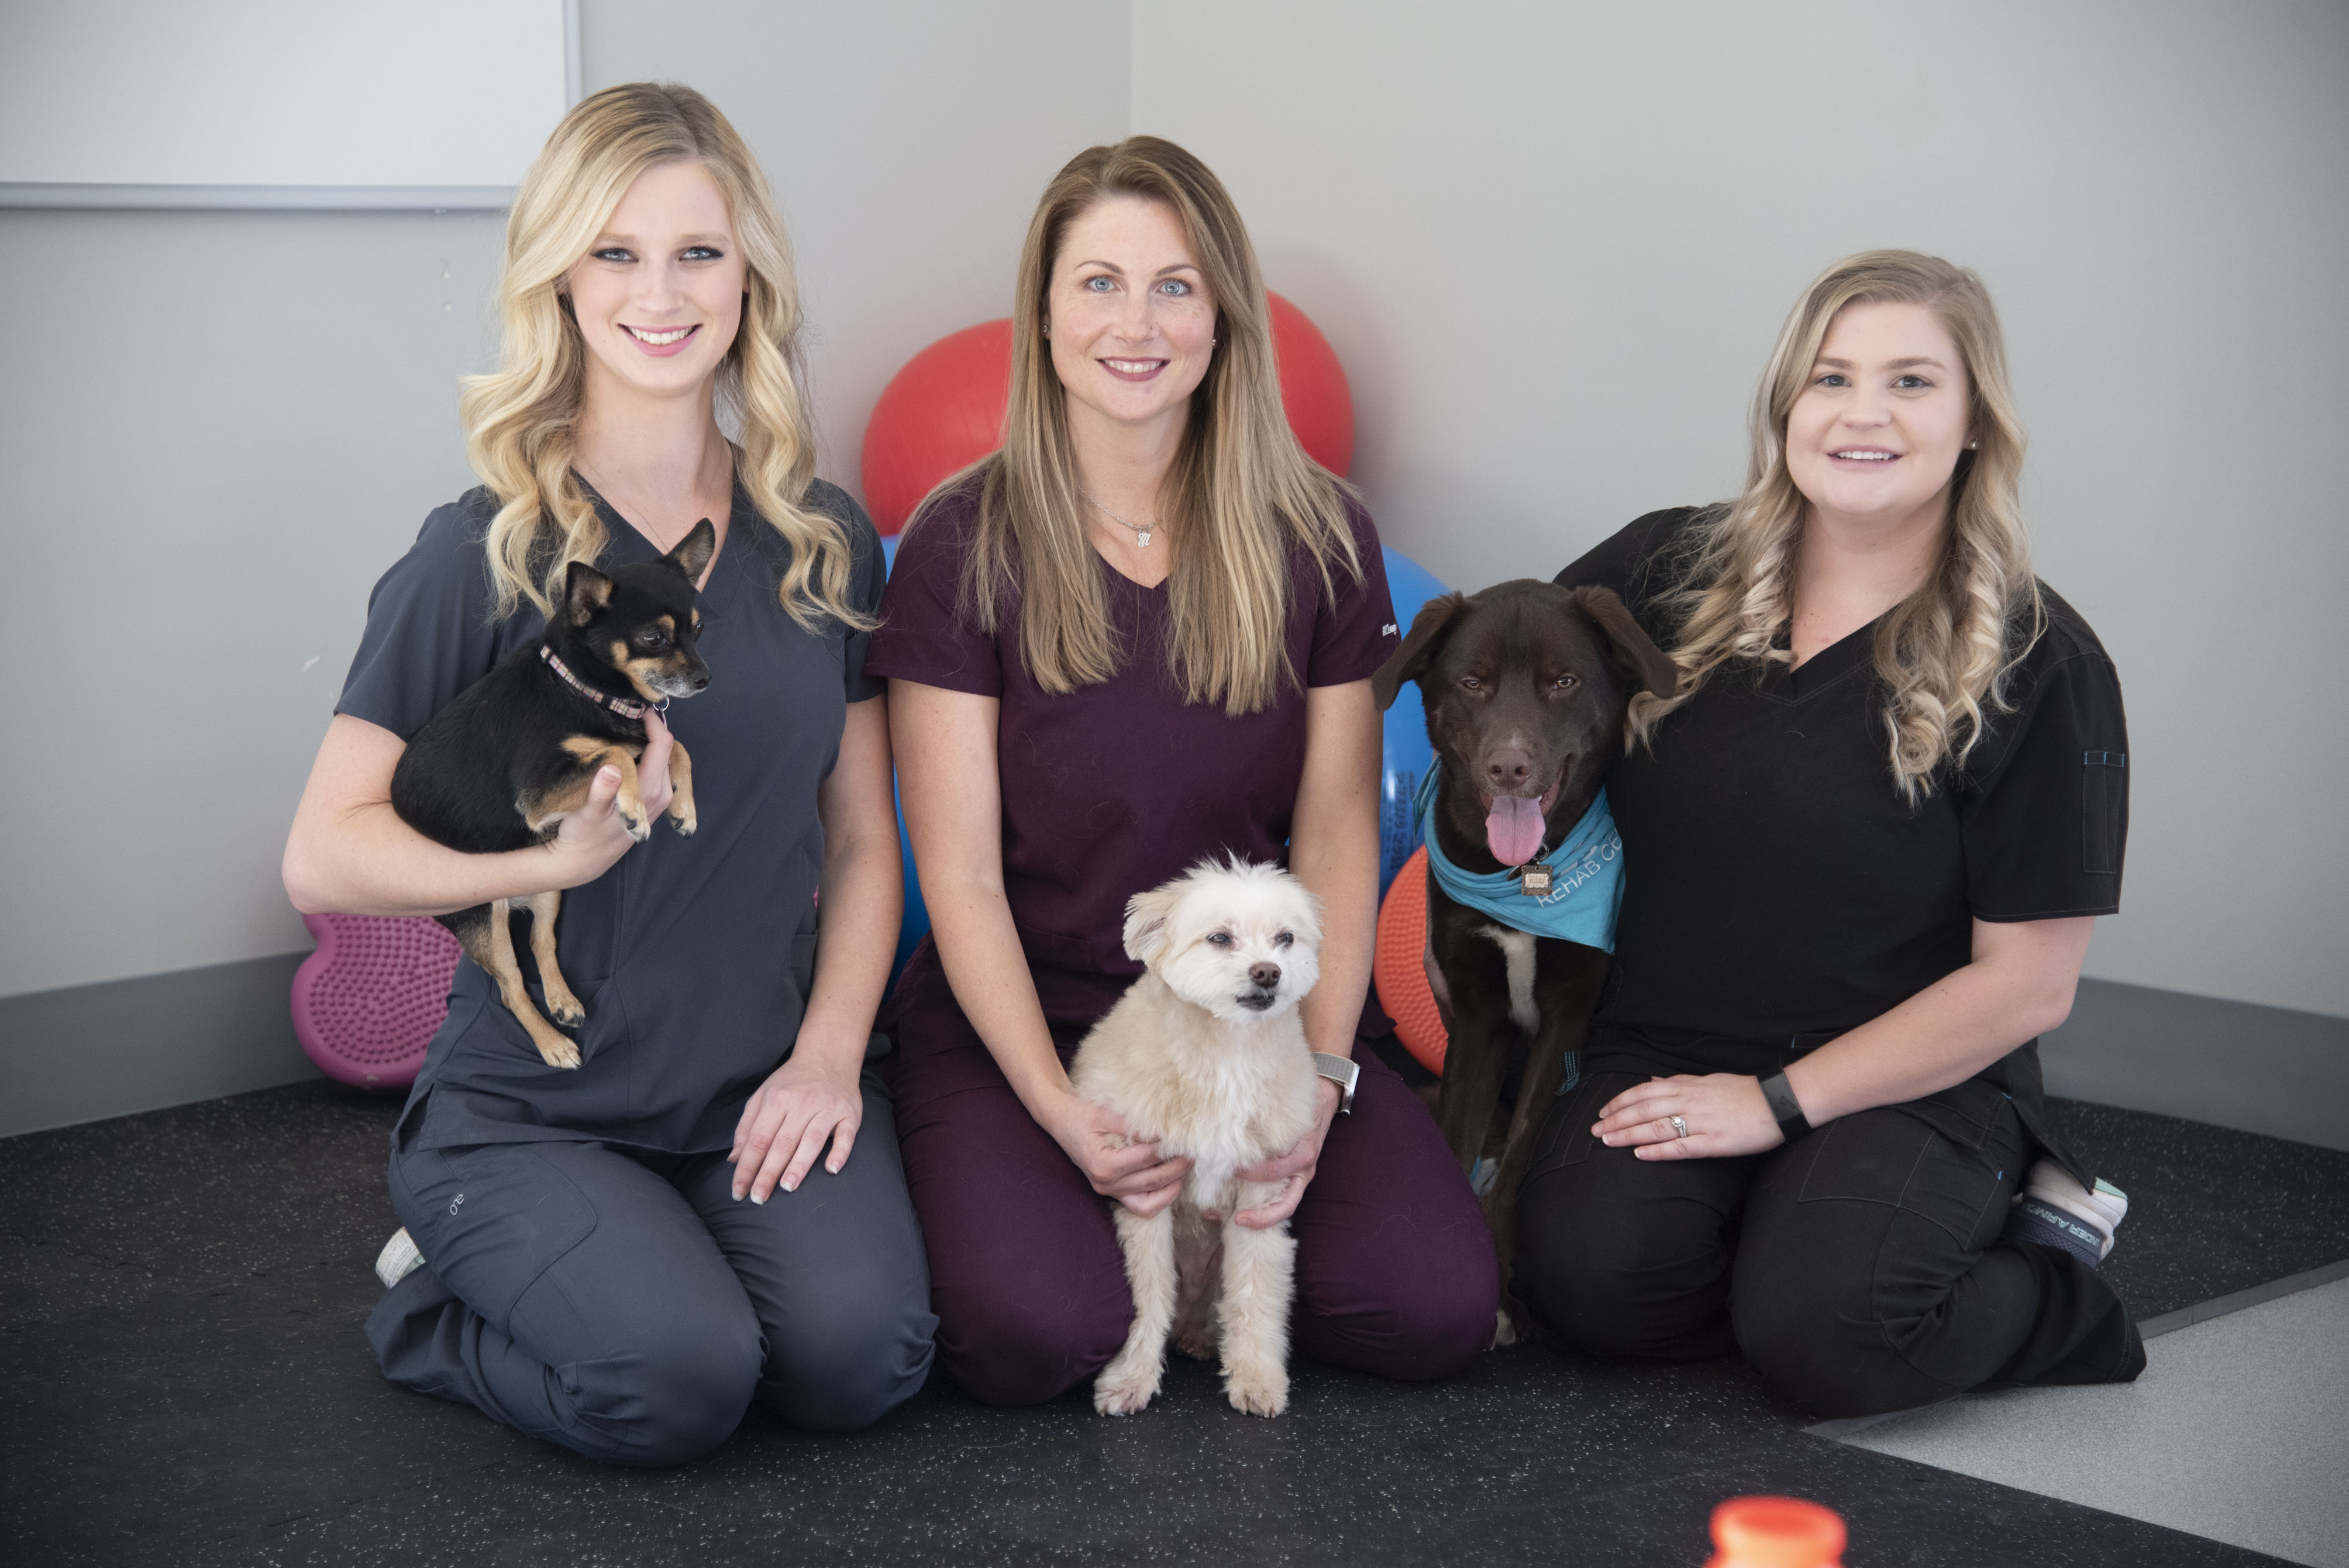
x=1113 y=788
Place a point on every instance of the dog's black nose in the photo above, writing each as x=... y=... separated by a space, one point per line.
x=1264 y=974
x=1506 y=768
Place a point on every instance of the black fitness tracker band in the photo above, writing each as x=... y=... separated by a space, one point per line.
x=1785 y=1107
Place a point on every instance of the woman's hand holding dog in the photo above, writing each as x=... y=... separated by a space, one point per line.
x=1095 y=1138
x=592 y=839
x=1725 y=1114
x=350 y=851
x=1294 y=1170
x=785 y=1126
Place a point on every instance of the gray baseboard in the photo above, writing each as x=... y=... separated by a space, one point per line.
x=86 y=1052
x=2232 y=1064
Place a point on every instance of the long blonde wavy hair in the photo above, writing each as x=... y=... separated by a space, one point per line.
x=1942 y=654
x=1240 y=496
x=522 y=420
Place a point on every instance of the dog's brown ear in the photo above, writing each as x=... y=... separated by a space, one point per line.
x=692 y=553
x=585 y=592
x=1412 y=660
x=1636 y=653
x=1146 y=917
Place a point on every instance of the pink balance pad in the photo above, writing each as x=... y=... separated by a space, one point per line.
x=366 y=1002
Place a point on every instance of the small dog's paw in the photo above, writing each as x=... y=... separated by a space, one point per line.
x=1504 y=1332
x=560 y=1053
x=683 y=821
x=1122 y=1390
x=566 y=1011
x=1259 y=1390
x=639 y=826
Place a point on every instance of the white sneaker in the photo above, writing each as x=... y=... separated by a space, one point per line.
x=2055 y=1211
x=398 y=1258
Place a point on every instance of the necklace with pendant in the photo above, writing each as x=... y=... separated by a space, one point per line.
x=1140 y=529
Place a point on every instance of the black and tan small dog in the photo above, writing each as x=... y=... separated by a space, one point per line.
x=500 y=767
x=1525 y=686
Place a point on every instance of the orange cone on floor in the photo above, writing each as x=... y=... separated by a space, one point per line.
x=1775 y=1532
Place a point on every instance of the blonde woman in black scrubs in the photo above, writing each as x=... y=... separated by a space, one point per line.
x=1866 y=841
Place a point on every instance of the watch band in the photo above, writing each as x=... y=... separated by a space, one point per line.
x=1785 y=1107
x=1344 y=1071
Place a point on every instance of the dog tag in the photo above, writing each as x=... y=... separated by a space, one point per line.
x=1534 y=882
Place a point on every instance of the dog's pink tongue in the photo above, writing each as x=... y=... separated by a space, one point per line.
x=1513 y=829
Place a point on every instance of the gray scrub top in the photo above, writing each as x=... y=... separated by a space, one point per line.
x=692 y=957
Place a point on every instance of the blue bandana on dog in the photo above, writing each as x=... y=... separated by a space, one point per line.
x=1586 y=877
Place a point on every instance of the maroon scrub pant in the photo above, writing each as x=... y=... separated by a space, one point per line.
x=1395 y=1271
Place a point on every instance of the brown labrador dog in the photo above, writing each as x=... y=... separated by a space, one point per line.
x=1525 y=686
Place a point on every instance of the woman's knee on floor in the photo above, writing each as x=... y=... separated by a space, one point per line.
x=1810 y=1328
x=1414 y=1317
x=840 y=1361
x=672 y=1390
x=1613 y=1281
x=1024 y=1341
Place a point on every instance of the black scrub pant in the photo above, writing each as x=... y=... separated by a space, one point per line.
x=1859 y=1269
x=626 y=1306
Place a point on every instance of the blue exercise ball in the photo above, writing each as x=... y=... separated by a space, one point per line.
x=1407 y=753
x=1405 y=764
x=917 y=922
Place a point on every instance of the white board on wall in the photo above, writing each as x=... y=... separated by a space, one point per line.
x=279 y=103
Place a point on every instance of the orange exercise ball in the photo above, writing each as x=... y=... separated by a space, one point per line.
x=944 y=410
x=1397 y=966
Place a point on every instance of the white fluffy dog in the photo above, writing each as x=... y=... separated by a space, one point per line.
x=1205 y=1057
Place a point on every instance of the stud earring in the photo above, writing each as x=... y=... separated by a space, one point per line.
x=1972 y=445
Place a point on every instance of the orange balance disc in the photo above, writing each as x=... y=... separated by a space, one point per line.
x=1397 y=964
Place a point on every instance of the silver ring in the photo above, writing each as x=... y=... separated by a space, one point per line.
x=1680 y=1126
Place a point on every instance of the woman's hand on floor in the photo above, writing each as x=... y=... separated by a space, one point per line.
x=786 y=1123
x=1295 y=1168
x=1725 y=1112
x=1095 y=1138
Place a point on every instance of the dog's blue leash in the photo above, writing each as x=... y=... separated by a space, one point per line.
x=1586 y=877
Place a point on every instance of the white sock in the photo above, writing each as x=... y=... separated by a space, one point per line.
x=398 y=1258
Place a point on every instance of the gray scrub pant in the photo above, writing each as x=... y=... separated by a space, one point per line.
x=624 y=1306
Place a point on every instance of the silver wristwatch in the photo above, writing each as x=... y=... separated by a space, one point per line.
x=1344 y=1071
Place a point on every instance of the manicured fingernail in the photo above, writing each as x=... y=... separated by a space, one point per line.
x=756 y=1199
x=790 y=1186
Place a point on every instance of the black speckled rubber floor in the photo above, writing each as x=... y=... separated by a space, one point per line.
x=183 y=1382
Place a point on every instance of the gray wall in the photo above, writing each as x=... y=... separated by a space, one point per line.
x=1553 y=244
x=219 y=428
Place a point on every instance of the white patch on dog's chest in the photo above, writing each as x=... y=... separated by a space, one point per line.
x=1517 y=950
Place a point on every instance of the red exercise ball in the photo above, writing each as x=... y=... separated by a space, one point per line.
x=940 y=414
x=1313 y=388
x=944 y=411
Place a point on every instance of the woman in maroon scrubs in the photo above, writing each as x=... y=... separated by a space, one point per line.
x=1140 y=635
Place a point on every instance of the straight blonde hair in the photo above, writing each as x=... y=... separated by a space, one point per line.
x=1241 y=494
x=1944 y=652
x=522 y=420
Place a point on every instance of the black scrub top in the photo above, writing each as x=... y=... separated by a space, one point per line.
x=692 y=957
x=1778 y=891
